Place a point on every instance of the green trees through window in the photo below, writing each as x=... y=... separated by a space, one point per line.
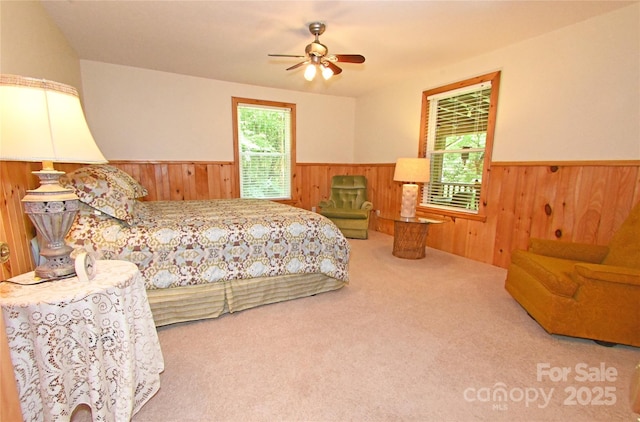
x=457 y=135
x=264 y=139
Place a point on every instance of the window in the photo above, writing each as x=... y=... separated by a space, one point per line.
x=264 y=144
x=457 y=126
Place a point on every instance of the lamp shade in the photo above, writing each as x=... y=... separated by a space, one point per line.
x=42 y=120
x=414 y=170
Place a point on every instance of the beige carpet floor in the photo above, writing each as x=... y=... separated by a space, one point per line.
x=436 y=339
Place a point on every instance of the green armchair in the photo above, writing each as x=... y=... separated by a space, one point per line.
x=582 y=290
x=348 y=207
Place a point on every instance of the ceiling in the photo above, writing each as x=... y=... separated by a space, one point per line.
x=230 y=40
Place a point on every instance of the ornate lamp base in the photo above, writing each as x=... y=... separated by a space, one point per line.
x=52 y=210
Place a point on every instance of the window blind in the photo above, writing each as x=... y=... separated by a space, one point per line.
x=456 y=139
x=264 y=140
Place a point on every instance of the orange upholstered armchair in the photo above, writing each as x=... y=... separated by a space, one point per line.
x=582 y=290
x=634 y=394
x=348 y=207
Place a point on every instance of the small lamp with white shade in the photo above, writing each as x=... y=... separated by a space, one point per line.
x=43 y=121
x=412 y=171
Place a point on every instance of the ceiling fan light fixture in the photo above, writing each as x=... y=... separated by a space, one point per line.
x=316 y=55
x=310 y=72
x=327 y=73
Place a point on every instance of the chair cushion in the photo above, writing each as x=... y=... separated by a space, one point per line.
x=624 y=248
x=349 y=182
x=349 y=198
x=569 y=250
x=345 y=213
x=554 y=273
x=349 y=191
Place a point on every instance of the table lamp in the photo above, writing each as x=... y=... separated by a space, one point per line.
x=42 y=120
x=411 y=171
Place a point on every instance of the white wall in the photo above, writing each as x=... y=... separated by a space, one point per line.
x=569 y=95
x=32 y=45
x=139 y=114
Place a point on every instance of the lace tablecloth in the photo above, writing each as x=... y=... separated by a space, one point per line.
x=75 y=342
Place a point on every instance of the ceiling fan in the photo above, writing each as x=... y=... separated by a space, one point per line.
x=316 y=56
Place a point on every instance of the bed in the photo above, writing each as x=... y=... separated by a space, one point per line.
x=201 y=259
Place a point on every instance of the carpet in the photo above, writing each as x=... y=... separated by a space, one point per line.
x=436 y=339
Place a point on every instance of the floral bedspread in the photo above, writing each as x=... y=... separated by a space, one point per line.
x=180 y=243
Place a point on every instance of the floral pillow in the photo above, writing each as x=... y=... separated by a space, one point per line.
x=105 y=189
x=138 y=190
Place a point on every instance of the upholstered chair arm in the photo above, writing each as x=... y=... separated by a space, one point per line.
x=366 y=205
x=552 y=273
x=610 y=273
x=567 y=250
x=330 y=203
x=634 y=396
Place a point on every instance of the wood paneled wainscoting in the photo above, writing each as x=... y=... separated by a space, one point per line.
x=583 y=202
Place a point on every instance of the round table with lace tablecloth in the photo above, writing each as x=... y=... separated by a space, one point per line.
x=78 y=342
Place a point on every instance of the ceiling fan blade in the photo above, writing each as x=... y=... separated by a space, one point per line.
x=336 y=70
x=285 y=55
x=295 y=66
x=350 y=58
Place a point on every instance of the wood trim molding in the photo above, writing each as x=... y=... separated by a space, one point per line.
x=350 y=165
x=586 y=163
x=616 y=163
x=169 y=162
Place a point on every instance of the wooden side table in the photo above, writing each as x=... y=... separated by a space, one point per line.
x=410 y=236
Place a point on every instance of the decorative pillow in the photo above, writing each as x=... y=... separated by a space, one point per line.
x=138 y=190
x=102 y=187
